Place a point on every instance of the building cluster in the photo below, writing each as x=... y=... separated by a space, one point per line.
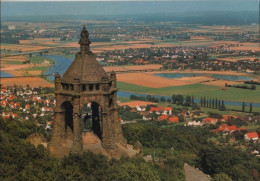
x=185 y=58
x=27 y=103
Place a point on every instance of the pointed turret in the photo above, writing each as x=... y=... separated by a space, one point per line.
x=85 y=66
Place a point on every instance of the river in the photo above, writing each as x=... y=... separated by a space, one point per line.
x=63 y=63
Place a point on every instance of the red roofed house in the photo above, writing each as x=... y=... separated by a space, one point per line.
x=225 y=127
x=161 y=110
x=211 y=120
x=163 y=117
x=252 y=136
x=27 y=106
x=174 y=119
x=11 y=97
x=3 y=103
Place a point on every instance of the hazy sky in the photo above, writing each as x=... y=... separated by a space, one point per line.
x=117 y=0
x=92 y=7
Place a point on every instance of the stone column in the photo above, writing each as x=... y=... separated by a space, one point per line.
x=108 y=142
x=118 y=133
x=77 y=138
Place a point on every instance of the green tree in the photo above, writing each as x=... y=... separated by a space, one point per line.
x=162 y=99
x=222 y=107
x=131 y=170
x=251 y=108
x=188 y=100
x=253 y=87
x=179 y=99
x=174 y=99
x=221 y=177
x=243 y=107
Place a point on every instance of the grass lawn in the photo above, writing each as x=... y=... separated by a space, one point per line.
x=198 y=91
x=39 y=60
x=14 y=62
x=124 y=99
x=253 y=126
x=42 y=69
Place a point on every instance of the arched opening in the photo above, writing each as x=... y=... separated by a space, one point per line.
x=92 y=118
x=68 y=117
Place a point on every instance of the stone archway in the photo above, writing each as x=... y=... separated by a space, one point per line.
x=91 y=115
x=67 y=108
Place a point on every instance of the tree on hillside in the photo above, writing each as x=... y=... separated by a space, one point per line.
x=251 y=108
x=162 y=99
x=243 y=107
x=213 y=103
x=204 y=102
x=188 y=100
x=219 y=105
x=222 y=107
x=253 y=87
x=210 y=103
x=201 y=102
x=179 y=99
x=221 y=177
x=192 y=100
x=174 y=99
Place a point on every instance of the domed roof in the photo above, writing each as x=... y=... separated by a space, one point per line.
x=85 y=66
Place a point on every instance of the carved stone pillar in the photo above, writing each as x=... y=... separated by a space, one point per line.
x=77 y=139
x=107 y=134
x=118 y=133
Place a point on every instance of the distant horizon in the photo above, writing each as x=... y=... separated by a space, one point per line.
x=104 y=7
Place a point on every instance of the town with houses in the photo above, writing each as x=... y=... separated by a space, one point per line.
x=201 y=58
x=36 y=104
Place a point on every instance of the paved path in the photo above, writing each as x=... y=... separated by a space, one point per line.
x=193 y=174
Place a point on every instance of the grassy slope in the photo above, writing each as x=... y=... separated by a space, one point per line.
x=198 y=90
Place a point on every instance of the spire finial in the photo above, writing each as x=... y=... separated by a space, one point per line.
x=84 y=41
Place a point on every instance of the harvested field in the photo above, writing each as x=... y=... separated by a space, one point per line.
x=23 y=81
x=221 y=83
x=24 y=48
x=15 y=67
x=136 y=103
x=143 y=67
x=16 y=72
x=114 y=68
x=133 y=67
x=201 y=71
x=14 y=58
x=242 y=48
x=149 y=80
x=34 y=72
x=40 y=41
x=234 y=59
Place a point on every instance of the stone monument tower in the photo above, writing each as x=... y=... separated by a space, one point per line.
x=86 y=101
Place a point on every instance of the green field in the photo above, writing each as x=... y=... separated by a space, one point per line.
x=39 y=60
x=198 y=91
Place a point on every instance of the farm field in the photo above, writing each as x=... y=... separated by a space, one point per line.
x=149 y=79
x=198 y=91
x=136 y=103
x=132 y=67
x=23 y=81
